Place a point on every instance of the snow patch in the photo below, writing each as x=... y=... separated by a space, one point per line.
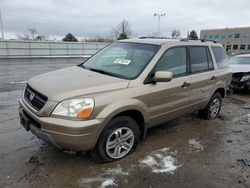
x=195 y=144
x=116 y=171
x=105 y=179
x=102 y=182
x=84 y=181
x=160 y=161
x=108 y=182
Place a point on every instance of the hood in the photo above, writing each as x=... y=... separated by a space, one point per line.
x=240 y=68
x=74 y=81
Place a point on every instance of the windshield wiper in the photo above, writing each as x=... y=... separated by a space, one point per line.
x=101 y=71
x=98 y=70
x=107 y=73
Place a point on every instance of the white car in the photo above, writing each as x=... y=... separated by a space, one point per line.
x=240 y=65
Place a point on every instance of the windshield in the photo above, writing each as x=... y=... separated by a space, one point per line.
x=240 y=61
x=122 y=59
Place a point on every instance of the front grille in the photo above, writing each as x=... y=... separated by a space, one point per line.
x=34 y=98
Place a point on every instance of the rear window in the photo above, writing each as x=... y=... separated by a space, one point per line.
x=200 y=59
x=220 y=57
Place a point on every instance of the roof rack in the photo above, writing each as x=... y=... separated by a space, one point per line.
x=183 y=39
x=202 y=40
x=154 y=37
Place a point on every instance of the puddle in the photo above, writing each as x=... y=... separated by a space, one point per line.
x=159 y=161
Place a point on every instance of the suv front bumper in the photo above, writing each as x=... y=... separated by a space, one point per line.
x=61 y=133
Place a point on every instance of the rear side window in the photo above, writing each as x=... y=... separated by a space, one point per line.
x=220 y=57
x=173 y=60
x=200 y=59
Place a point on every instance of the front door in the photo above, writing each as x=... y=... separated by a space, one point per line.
x=170 y=99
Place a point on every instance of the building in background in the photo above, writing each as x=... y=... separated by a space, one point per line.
x=234 y=40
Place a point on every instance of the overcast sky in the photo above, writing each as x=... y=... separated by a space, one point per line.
x=89 y=18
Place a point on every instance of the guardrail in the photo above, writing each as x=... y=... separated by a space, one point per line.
x=16 y=49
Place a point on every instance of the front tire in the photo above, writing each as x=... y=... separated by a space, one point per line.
x=213 y=107
x=117 y=140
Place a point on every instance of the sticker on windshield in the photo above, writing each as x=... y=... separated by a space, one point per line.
x=122 y=61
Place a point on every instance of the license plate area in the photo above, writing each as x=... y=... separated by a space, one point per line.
x=24 y=120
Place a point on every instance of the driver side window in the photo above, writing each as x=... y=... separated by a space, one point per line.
x=173 y=60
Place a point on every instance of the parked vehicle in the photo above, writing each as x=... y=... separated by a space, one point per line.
x=241 y=72
x=107 y=103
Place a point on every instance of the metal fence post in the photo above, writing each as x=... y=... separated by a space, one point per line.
x=29 y=48
x=7 y=48
x=82 y=48
x=50 y=49
x=67 y=48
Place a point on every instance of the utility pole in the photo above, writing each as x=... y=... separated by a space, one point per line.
x=123 y=27
x=159 y=20
x=1 y=24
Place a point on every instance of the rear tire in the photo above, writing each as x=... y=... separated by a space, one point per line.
x=118 y=139
x=213 y=107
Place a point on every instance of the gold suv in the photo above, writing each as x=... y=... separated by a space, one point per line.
x=106 y=104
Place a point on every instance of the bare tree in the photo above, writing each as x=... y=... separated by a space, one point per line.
x=41 y=37
x=31 y=34
x=175 y=33
x=23 y=36
x=122 y=30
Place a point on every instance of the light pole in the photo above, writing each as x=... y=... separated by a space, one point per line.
x=159 y=18
x=1 y=24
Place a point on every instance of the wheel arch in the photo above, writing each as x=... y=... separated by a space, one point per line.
x=138 y=117
x=134 y=109
x=220 y=90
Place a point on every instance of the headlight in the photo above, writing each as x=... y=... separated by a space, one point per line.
x=75 y=108
x=245 y=78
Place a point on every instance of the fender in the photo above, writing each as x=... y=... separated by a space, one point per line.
x=123 y=105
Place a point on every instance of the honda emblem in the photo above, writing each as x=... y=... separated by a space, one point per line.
x=31 y=97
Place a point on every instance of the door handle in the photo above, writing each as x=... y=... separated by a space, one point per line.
x=186 y=84
x=213 y=78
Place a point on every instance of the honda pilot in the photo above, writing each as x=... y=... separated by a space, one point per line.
x=106 y=104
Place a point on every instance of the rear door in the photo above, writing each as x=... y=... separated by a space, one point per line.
x=170 y=99
x=202 y=78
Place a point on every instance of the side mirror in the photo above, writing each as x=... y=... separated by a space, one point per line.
x=163 y=76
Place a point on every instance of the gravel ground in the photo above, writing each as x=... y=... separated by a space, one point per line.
x=185 y=152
